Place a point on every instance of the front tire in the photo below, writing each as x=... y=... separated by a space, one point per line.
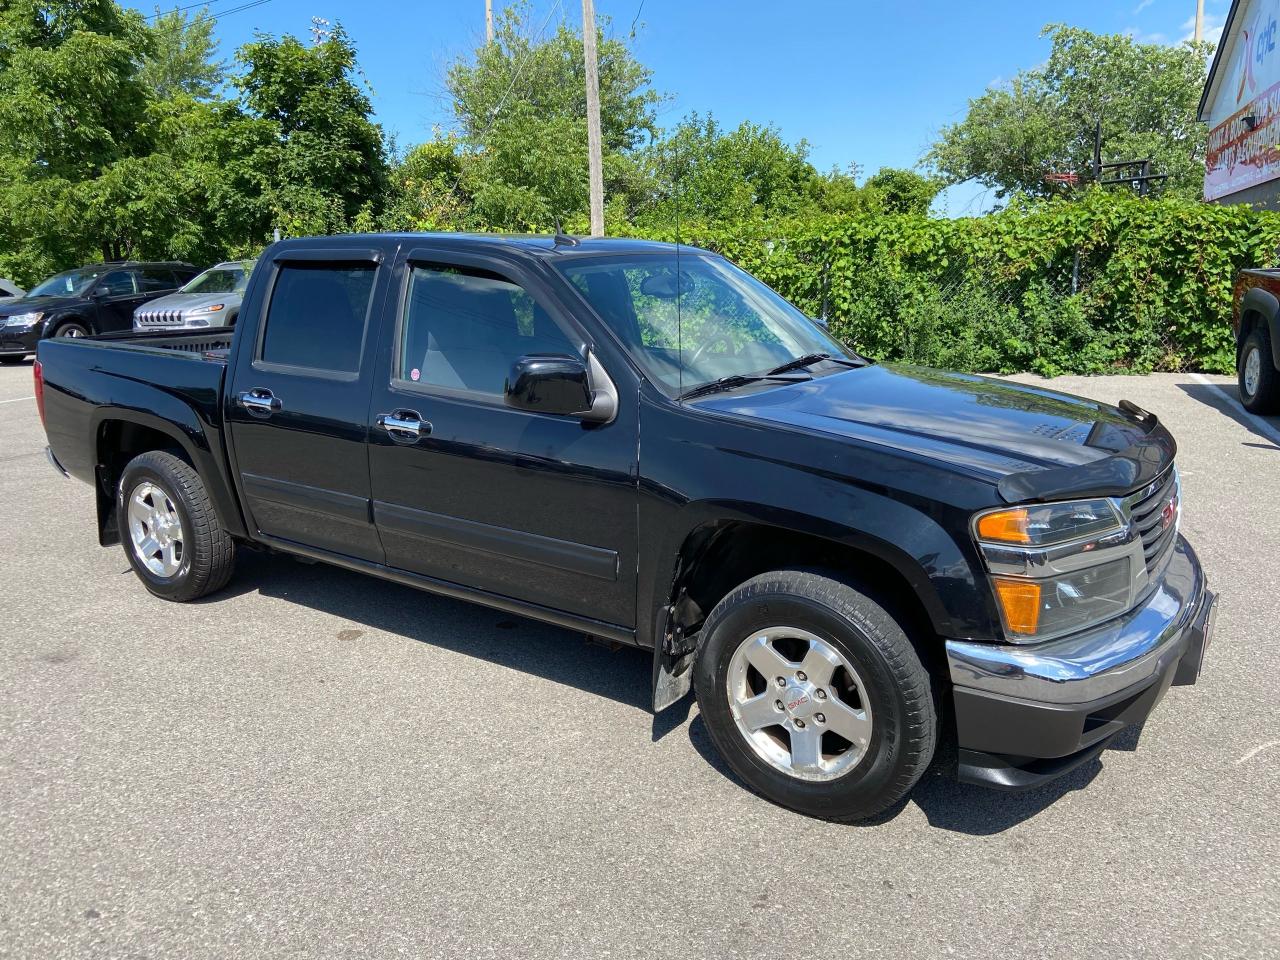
x=12 y=359
x=1259 y=381
x=169 y=529
x=815 y=696
x=72 y=328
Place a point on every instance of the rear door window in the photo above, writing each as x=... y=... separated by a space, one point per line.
x=317 y=316
x=154 y=279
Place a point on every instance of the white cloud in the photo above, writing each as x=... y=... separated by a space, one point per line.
x=1213 y=24
x=1142 y=6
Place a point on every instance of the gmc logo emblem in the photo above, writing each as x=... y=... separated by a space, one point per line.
x=804 y=698
x=1168 y=514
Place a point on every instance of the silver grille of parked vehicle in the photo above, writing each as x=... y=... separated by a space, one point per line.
x=1154 y=512
x=160 y=318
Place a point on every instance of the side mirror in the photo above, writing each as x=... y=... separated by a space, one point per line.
x=549 y=383
x=821 y=321
x=98 y=293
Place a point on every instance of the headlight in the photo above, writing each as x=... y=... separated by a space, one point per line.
x=23 y=319
x=213 y=308
x=1042 y=525
x=1058 y=567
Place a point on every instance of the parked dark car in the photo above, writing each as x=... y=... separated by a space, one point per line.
x=848 y=561
x=78 y=303
x=9 y=290
x=1256 y=321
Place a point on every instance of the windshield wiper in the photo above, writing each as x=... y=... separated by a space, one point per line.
x=736 y=380
x=809 y=359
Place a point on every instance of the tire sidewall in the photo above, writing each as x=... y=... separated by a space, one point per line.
x=62 y=328
x=1251 y=346
x=874 y=773
x=135 y=474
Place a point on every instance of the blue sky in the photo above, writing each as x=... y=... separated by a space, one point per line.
x=868 y=83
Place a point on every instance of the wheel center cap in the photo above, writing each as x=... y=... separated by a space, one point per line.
x=798 y=701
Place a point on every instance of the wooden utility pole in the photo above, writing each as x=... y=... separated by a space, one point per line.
x=488 y=21
x=1199 y=34
x=595 y=166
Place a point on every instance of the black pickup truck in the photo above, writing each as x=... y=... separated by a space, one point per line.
x=850 y=562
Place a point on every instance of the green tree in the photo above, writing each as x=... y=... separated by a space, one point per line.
x=1043 y=120
x=520 y=105
x=902 y=191
x=73 y=121
x=330 y=165
x=182 y=58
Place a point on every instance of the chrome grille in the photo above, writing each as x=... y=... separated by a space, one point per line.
x=1154 y=512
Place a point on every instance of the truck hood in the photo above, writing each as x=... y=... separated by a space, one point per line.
x=189 y=302
x=1035 y=444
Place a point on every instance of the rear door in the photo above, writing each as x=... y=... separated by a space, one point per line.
x=298 y=400
x=530 y=506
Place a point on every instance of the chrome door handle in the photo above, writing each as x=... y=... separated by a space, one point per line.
x=403 y=426
x=259 y=401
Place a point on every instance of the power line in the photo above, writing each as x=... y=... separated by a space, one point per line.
x=213 y=16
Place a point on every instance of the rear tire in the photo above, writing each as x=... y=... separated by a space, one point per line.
x=12 y=360
x=169 y=529
x=1259 y=381
x=861 y=677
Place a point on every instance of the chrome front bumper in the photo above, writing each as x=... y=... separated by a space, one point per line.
x=1097 y=663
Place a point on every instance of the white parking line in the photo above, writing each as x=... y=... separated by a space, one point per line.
x=17 y=399
x=1234 y=407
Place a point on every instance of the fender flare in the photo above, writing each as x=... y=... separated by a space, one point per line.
x=177 y=421
x=51 y=323
x=674 y=652
x=1266 y=305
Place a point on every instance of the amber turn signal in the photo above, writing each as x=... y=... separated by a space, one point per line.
x=1021 y=602
x=1006 y=526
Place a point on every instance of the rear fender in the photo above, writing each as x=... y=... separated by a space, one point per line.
x=180 y=425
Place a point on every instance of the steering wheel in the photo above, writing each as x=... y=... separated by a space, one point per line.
x=717 y=338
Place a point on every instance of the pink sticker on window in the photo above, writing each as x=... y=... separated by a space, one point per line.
x=415 y=374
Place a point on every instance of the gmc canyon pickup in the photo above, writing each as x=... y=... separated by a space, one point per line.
x=846 y=561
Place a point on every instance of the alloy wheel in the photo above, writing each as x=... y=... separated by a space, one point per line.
x=155 y=529
x=799 y=703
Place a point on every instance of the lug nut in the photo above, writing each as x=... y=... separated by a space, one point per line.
x=777 y=704
x=799 y=724
x=782 y=681
x=800 y=676
x=820 y=718
x=821 y=694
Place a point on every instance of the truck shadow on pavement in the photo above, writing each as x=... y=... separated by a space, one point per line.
x=1226 y=400
x=619 y=673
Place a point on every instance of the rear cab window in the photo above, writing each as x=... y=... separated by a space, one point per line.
x=317 y=316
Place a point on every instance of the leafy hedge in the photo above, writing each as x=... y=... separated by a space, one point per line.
x=994 y=293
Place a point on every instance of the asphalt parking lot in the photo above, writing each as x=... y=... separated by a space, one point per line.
x=318 y=764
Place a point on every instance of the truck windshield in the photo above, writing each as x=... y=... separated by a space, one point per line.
x=698 y=320
x=230 y=279
x=69 y=284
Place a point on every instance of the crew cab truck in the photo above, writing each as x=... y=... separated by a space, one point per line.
x=845 y=560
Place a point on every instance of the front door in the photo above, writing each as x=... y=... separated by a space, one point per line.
x=531 y=506
x=298 y=400
x=117 y=295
